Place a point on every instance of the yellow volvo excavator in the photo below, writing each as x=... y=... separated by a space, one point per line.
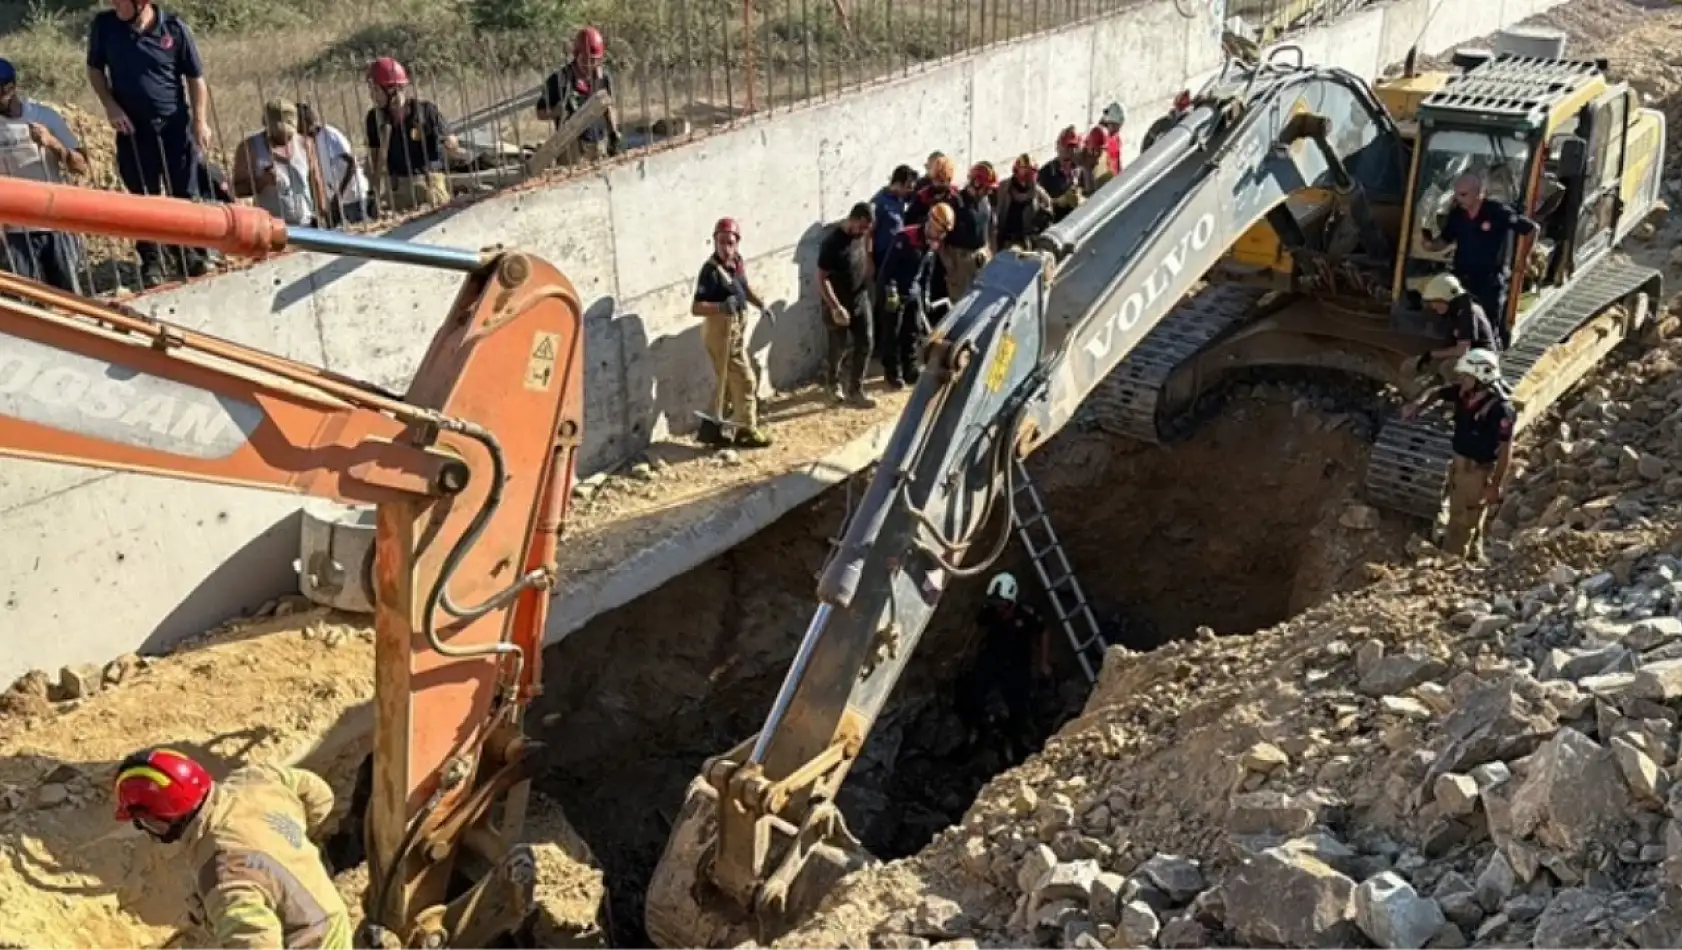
x=1281 y=222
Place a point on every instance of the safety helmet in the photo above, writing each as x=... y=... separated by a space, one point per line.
x=942 y=215
x=589 y=40
x=386 y=72
x=1098 y=139
x=1003 y=586
x=1482 y=365
x=1024 y=169
x=1182 y=102
x=943 y=170
x=728 y=226
x=982 y=175
x=161 y=785
x=1069 y=138
x=1115 y=114
x=1442 y=288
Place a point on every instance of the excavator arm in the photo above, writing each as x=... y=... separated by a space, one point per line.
x=759 y=840
x=470 y=471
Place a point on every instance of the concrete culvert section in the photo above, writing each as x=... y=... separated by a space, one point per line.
x=1247 y=521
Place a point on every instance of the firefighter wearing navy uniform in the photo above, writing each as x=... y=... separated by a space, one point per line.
x=1470 y=328
x=258 y=879
x=1481 y=229
x=567 y=89
x=722 y=296
x=969 y=247
x=1484 y=417
x=1015 y=650
x=1064 y=178
x=909 y=306
x=1024 y=208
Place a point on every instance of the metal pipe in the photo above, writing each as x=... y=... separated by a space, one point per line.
x=384 y=249
x=791 y=682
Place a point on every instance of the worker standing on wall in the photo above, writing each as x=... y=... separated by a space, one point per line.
x=1114 y=117
x=1064 y=178
x=970 y=245
x=844 y=288
x=1484 y=417
x=909 y=306
x=51 y=257
x=408 y=140
x=258 y=879
x=1015 y=650
x=568 y=88
x=144 y=67
x=1481 y=230
x=1470 y=328
x=722 y=296
x=1024 y=208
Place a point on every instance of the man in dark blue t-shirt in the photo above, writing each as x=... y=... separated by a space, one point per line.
x=145 y=68
x=568 y=88
x=1481 y=230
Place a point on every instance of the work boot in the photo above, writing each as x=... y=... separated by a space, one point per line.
x=858 y=400
x=752 y=438
x=836 y=393
x=711 y=434
x=894 y=383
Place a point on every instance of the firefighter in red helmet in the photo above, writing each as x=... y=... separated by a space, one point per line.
x=969 y=246
x=722 y=296
x=567 y=89
x=1064 y=178
x=1095 y=156
x=408 y=140
x=1024 y=208
x=258 y=878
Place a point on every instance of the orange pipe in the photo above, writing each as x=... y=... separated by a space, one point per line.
x=239 y=230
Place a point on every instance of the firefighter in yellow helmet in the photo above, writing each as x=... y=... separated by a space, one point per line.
x=258 y=880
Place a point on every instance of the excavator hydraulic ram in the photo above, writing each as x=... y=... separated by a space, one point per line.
x=471 y=471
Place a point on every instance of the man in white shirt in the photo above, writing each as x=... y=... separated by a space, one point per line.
x=38 y=145
x=345 y=187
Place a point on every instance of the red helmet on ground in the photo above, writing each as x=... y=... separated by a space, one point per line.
x=589 y=40
x=982 y=175
x=161 y=784
x=728 y=226
x=386 y=72
x=1098 y=139
x=1070 y=138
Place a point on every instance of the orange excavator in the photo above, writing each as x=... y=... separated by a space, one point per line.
x=470 y=470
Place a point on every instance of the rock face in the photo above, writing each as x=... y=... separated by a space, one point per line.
x=1287 y=898
x=1573 y=796
x=1393 y=915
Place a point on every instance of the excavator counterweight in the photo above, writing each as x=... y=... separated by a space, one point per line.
x=1274 y=224
x=470 y=470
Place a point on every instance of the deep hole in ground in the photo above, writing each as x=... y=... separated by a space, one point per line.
x=1235 y=529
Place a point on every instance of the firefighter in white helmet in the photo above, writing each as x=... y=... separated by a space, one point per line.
x=1015 y=650
x=1484 y=417
x=1469 y=327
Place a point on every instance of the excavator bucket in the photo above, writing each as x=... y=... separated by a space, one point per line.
x=686 y=908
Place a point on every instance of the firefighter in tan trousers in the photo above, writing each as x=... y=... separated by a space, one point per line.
x=258 y=880
x=1484 y=416
x=722 y=296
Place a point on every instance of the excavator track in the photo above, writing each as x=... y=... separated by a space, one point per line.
x=1408 y=468
x=1128 y=402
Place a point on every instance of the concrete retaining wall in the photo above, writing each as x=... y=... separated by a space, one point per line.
x=97 y=564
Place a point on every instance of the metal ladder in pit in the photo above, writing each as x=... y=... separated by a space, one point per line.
x=1057 y=575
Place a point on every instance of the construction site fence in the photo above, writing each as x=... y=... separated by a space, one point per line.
x=693 y=67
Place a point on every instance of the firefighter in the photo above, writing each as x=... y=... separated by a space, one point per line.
x=1114 y=117
x=1064 y=178
x=1095 y=157
x=258 y=878
x=1481 y=230
x=1024 y=208
x=909 y=306
x=1015 y=651
x=927 y=178
x=408 y=140
x=1484 y=416
x=969 y=246
x=1470 y=326
x=722 y=296
x=938 y=190
x=568 y=88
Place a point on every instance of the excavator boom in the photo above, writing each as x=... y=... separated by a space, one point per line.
x=759 y=838
x=471 y=471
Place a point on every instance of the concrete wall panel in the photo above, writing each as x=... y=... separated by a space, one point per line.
x=1142 y=58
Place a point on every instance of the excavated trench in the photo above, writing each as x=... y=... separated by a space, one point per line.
x=1235 y=529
